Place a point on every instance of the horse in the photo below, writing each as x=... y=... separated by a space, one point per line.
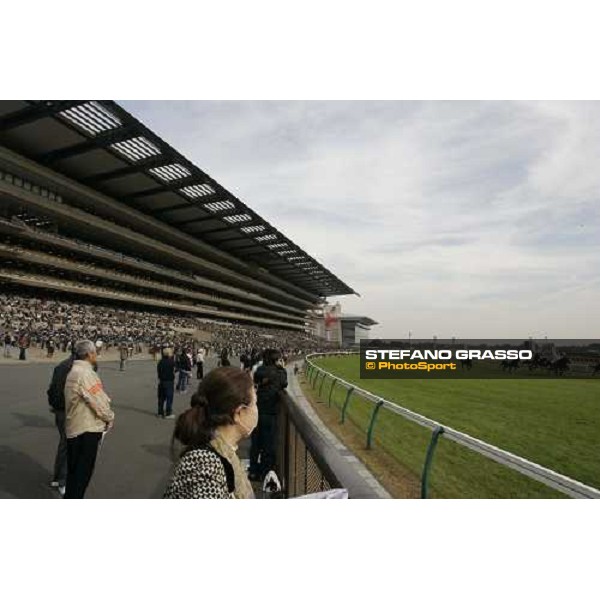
x=510 y=365
x=538 y=362
x=466 y=363
x=560 y=366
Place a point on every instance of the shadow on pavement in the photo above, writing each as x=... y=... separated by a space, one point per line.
x=142 y=411
x=160 y=450
x=22 y=477
x=33 y=421
x=158 y=492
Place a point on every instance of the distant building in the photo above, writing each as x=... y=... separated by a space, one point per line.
x=342 y=329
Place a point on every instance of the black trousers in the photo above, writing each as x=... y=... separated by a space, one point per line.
x=263 y=445
x=165 y=395
x=81 y=460
x=199 y=370
x=60 y=462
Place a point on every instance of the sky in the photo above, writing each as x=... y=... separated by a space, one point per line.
x=450 y=219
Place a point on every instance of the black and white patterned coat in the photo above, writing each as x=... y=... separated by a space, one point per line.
x=201 y=473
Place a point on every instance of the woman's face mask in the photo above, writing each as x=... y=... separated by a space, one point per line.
x=247 y=416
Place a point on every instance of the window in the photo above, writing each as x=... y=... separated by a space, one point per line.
x=171 y=172
x=136 y=149
x=92 y=118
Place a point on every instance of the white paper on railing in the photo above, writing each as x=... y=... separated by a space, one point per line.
x=335 y=494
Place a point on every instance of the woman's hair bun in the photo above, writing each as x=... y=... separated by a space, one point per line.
x=199 y=399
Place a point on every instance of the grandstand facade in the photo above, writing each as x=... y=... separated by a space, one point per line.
x=95 y=206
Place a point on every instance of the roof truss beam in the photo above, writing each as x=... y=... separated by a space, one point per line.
x=154 y=161
x=168 y=186
x=160 y=211
x=101 y=141
x=35 y=112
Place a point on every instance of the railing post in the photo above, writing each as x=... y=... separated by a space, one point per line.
x=437 y=432
x=322 y=382
x=314 y=379
x=330 y=392
x=348 y=394
x=372 y=424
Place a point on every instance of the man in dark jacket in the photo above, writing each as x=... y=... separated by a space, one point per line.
x=166 y=383
x=224 y=361
x=245 y=360
x=184 y=366
x=271 y=380
x=56 y=400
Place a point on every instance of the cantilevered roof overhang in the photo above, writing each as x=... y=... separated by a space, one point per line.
x=100 y=145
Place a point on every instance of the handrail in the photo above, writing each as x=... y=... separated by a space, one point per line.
x=566 y=485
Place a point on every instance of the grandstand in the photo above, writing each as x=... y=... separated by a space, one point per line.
x=96 y=208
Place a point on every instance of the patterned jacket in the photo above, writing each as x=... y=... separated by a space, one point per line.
x=211 y=472
x=200 y=473
x=87 y=407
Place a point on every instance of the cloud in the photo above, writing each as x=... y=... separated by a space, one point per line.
x=449 y=218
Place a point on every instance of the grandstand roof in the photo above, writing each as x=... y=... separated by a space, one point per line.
x=99 y=144
x=363 y=320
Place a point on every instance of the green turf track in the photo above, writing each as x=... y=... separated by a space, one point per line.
x=553 y=422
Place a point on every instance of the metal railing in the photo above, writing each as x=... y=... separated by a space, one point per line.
x=316 y=376
x=303 y=467
x=309 y=460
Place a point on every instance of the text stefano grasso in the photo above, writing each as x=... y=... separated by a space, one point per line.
x=459 y=354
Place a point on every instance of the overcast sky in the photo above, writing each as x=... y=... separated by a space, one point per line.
x=466 y=219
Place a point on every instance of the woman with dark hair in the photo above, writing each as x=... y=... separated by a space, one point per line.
x=223 y=411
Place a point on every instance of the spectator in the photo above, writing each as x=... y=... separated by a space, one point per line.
x=166 y=381
x=271 y=380
x=244 y=360
x=88 y=416
x=23 y=345
x=56 y=400
x=223 y=412
x=200 y=362
x=257 y=362
x=7 y=344
x=64 y=319
x=225 y=358
x=123 y=356
x=184 y=366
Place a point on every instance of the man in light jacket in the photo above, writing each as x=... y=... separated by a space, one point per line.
x=88 y=416
x=200 y=363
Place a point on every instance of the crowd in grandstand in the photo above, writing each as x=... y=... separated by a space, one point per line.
x=38 y=322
